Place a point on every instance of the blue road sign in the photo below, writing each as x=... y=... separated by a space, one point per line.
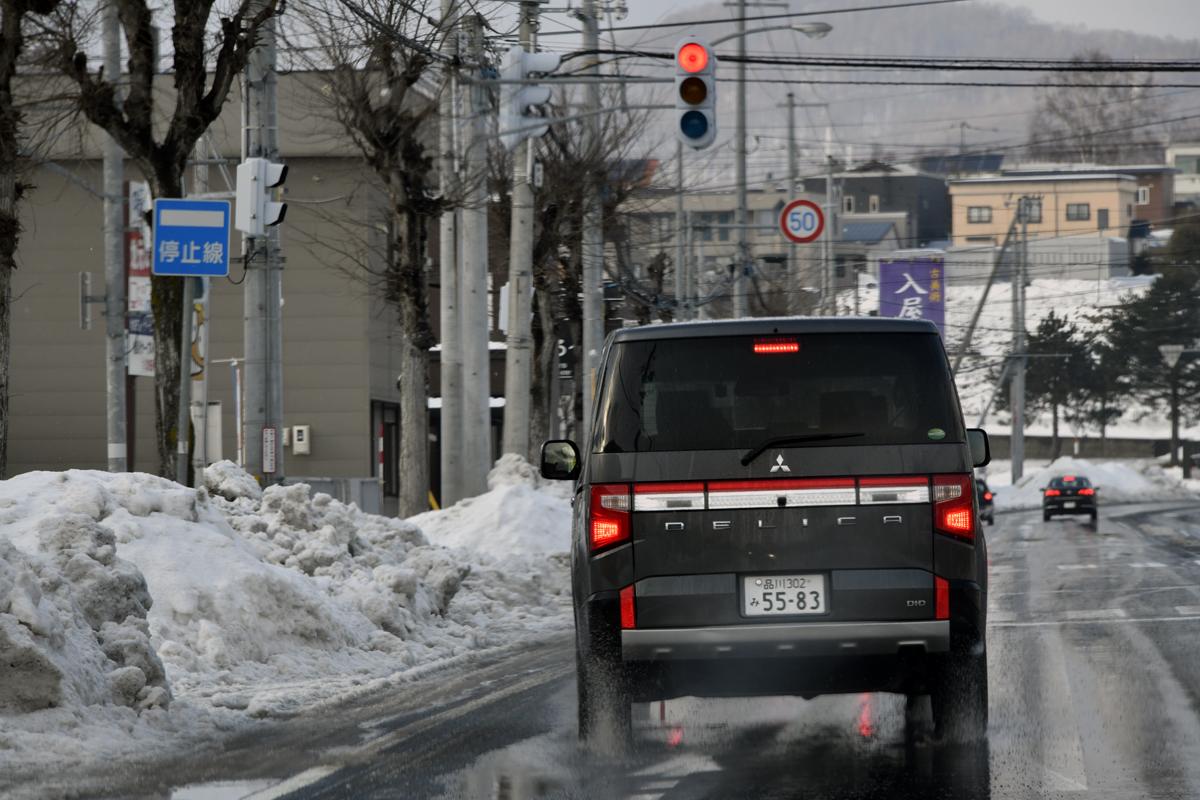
x=191 y=237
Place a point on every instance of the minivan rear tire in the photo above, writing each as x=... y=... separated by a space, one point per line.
x=604 y=707
x=960 y=699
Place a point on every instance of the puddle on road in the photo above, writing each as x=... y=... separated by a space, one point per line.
x=220 y=790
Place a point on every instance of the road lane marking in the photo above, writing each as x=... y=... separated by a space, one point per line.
x=293 y=784
x=1050 y=623
x=1188 y=611
x=1067 y=567
x=1089 y=614
x=1147 y=565
x=1062 y=755
x=1002 y=616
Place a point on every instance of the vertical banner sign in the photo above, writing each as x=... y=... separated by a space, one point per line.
x=914 y=288
x=140 y=322
x=268 y=450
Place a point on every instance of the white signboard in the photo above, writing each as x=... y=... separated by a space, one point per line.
x=268 y=450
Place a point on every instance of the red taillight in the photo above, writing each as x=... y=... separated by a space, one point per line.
x=628 y=609
x=953 y=507
x=941 y=602
x=987 y=495
x=609 y=515
x=775 y=346
x=1087 y=492
x=1053 y=493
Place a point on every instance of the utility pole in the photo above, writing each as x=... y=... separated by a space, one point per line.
x=114 y=261
x=681 y=310
x=1017 y=386
x=593 y=225
x=518 y=371
x=263 y=296
x=793 y=281
x=451 y=438
x=828 y=300
x=200 y=384
x=473 y=302
x=742 y=221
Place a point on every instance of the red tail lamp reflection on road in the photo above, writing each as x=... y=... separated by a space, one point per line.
x=866 y=723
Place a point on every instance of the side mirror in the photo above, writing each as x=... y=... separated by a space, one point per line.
x=981 y=448
x=560 y=460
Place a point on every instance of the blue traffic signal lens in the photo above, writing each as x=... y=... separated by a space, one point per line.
x=693 y=124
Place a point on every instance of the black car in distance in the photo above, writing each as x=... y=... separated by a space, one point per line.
x=777 y=507
x=986 y=501
x=1069 y=494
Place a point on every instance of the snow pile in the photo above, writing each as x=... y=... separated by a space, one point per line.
x=522 y=513
x=1118 y=482
x=114 y=586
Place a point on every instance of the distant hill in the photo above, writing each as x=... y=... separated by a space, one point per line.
x=897 y=122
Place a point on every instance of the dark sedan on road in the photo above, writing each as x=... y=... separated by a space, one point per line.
x=1069 y=494
x=985 y=500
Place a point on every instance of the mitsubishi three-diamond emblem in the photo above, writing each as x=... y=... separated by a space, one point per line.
x=779 y=466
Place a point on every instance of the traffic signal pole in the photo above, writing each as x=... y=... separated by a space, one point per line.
x=518 y=367
x=262 y=329
x=592 y=255
x=743 y=244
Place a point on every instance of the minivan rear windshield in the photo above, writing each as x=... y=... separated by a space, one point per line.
x=736 y=392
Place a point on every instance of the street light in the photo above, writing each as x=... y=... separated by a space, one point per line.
x=813 y=30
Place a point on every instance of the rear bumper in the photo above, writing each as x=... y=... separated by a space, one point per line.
x=799 y=640
x=1059 y=507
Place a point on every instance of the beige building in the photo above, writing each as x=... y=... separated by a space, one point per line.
x=1064 y=204
x=340 y=351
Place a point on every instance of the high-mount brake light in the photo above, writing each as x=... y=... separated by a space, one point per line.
x=954 y=506
x=1069 y=478
x=608 y=515
x=775 y=346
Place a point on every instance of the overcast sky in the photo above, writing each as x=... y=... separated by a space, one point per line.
x=1180 y=18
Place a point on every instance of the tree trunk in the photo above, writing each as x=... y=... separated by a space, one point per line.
x=1055 y=444
x=10 y=231
x=1174 y=417
x=407 y=290
x=166 y=301
x=542 y=403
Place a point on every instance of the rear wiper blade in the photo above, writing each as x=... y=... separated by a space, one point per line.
x=782 y=440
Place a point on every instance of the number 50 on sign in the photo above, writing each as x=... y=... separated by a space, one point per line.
x=802 y=221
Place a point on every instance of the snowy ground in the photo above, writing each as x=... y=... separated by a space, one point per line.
x=137 y=614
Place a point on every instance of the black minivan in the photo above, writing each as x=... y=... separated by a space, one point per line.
x=777 y=507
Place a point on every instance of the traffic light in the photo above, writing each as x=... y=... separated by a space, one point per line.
x=516 y=123
x=696 y=93
x=256 y=211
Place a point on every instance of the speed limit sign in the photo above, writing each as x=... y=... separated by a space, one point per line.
x=802 y=221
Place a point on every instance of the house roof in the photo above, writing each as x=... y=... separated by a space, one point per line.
x=953 y=164
x=1055 y=177
x=868 y=232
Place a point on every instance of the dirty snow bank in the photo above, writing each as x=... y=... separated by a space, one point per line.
x=240 y=602
x=521 y=513
x=1119 y=481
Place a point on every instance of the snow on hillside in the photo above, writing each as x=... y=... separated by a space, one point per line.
x=135 y=612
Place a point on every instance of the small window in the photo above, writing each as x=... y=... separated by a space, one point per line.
x=1079 y=212
x=724 y=221
x=1143 y=198
x=1102 y=219
x=979 y=214
x=1033 y=209
x=873 y=204
x=981 y=240
x=848 y=204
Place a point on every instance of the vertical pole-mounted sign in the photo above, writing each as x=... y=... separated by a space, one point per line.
x=914 y=287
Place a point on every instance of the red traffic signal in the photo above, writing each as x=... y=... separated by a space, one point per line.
x=695 y=93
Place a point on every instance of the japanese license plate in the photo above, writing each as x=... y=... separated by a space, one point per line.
x=1069 y=504
x=783 y=595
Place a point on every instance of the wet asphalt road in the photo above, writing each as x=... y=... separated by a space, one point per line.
x=1094 y=661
